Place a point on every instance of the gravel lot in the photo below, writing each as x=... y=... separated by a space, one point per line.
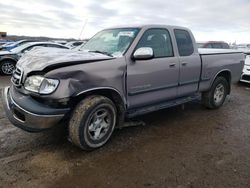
x=194 y=147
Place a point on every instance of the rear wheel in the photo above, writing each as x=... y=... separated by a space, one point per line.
x=7 y=67
x=92 y=122
x=215 y=97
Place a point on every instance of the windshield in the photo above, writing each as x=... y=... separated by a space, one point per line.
x=112 y=41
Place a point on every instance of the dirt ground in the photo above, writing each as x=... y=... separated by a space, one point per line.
x=194 y=147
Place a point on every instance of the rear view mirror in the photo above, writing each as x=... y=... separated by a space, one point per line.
x=143 y=53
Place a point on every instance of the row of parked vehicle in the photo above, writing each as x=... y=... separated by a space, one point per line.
x=223 y=45
x=245 y=77
x=245 y=48
x=11 y=52
x=7 y=45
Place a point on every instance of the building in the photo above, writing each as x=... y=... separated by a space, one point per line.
x=3 y=35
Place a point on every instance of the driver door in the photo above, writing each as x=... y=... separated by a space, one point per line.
x=156 y=79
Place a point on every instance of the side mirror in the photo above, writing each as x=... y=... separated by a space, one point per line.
x=143 y=53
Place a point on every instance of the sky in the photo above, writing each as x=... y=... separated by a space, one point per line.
x=224 y=20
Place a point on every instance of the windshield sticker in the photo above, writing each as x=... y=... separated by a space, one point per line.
x=126 y=33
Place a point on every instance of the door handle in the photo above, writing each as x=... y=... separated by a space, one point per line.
x=172 y=65
x=184 y=63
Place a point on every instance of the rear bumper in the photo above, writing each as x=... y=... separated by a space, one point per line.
x=18 y=110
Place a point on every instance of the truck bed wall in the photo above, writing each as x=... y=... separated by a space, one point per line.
x=213 y=64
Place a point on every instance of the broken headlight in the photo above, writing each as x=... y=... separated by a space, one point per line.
x=40 y=84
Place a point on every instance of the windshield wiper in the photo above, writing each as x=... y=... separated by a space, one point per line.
x=101 y=52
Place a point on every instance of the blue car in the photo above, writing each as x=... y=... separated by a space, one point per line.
x=8 y=47
x=5 y=43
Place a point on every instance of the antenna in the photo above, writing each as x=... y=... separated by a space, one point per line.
x=83 y=27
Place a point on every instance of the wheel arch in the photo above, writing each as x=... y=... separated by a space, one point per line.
x=8 y=59
x=5 y=60
x=226 y=73
x=113 y=94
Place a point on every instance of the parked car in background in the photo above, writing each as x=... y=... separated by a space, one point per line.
x=8 y=59
x=213 y=44
x=80 y=46
x=11 y=46
x=119 y=73
x=74 y=44
x=245 y=77
x=5 y=42
x=2 y=43
x=63 y=42
x=245 y=48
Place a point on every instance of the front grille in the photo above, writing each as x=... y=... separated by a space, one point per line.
x=17 y=77
x=246 y=77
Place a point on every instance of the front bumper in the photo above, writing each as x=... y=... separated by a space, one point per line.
x=245 y=77
x=29 y=115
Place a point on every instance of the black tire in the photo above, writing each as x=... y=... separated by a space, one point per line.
x=83 y=126
x=210 y=99
x=7 y=67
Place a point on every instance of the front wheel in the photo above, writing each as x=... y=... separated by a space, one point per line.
x=215 y=97
x=92 y=122
x=7 y=67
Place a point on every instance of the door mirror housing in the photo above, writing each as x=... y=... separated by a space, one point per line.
x=143 y=53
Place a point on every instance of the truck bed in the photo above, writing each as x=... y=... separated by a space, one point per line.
x=213 y=63
x=207 y=51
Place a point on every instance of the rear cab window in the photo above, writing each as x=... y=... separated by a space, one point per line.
x=184 y=42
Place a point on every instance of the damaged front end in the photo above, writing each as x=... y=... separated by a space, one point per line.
x=44 y=86
x=27 y=114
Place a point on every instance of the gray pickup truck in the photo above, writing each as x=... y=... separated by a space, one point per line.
x=118 y=74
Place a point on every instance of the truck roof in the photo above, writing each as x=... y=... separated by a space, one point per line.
x=150 y=26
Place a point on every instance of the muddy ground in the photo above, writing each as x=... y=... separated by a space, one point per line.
x=194 y=147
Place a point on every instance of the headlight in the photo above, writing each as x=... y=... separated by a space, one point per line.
x=39 y=84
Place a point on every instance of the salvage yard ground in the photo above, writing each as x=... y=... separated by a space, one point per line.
x=194 y=147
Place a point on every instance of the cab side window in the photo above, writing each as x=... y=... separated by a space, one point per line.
x=159 y=40
x=184 y=42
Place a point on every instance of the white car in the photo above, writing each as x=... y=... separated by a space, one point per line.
x=245 y=48
x=245 y=77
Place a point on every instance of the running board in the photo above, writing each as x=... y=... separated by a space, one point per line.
x=147 y=109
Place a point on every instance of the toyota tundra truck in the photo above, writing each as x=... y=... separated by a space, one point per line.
x=118 y=74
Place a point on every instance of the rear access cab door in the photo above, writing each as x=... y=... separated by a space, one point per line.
x=190 y=63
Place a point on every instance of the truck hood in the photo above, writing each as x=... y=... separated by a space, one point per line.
x=44 y=57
